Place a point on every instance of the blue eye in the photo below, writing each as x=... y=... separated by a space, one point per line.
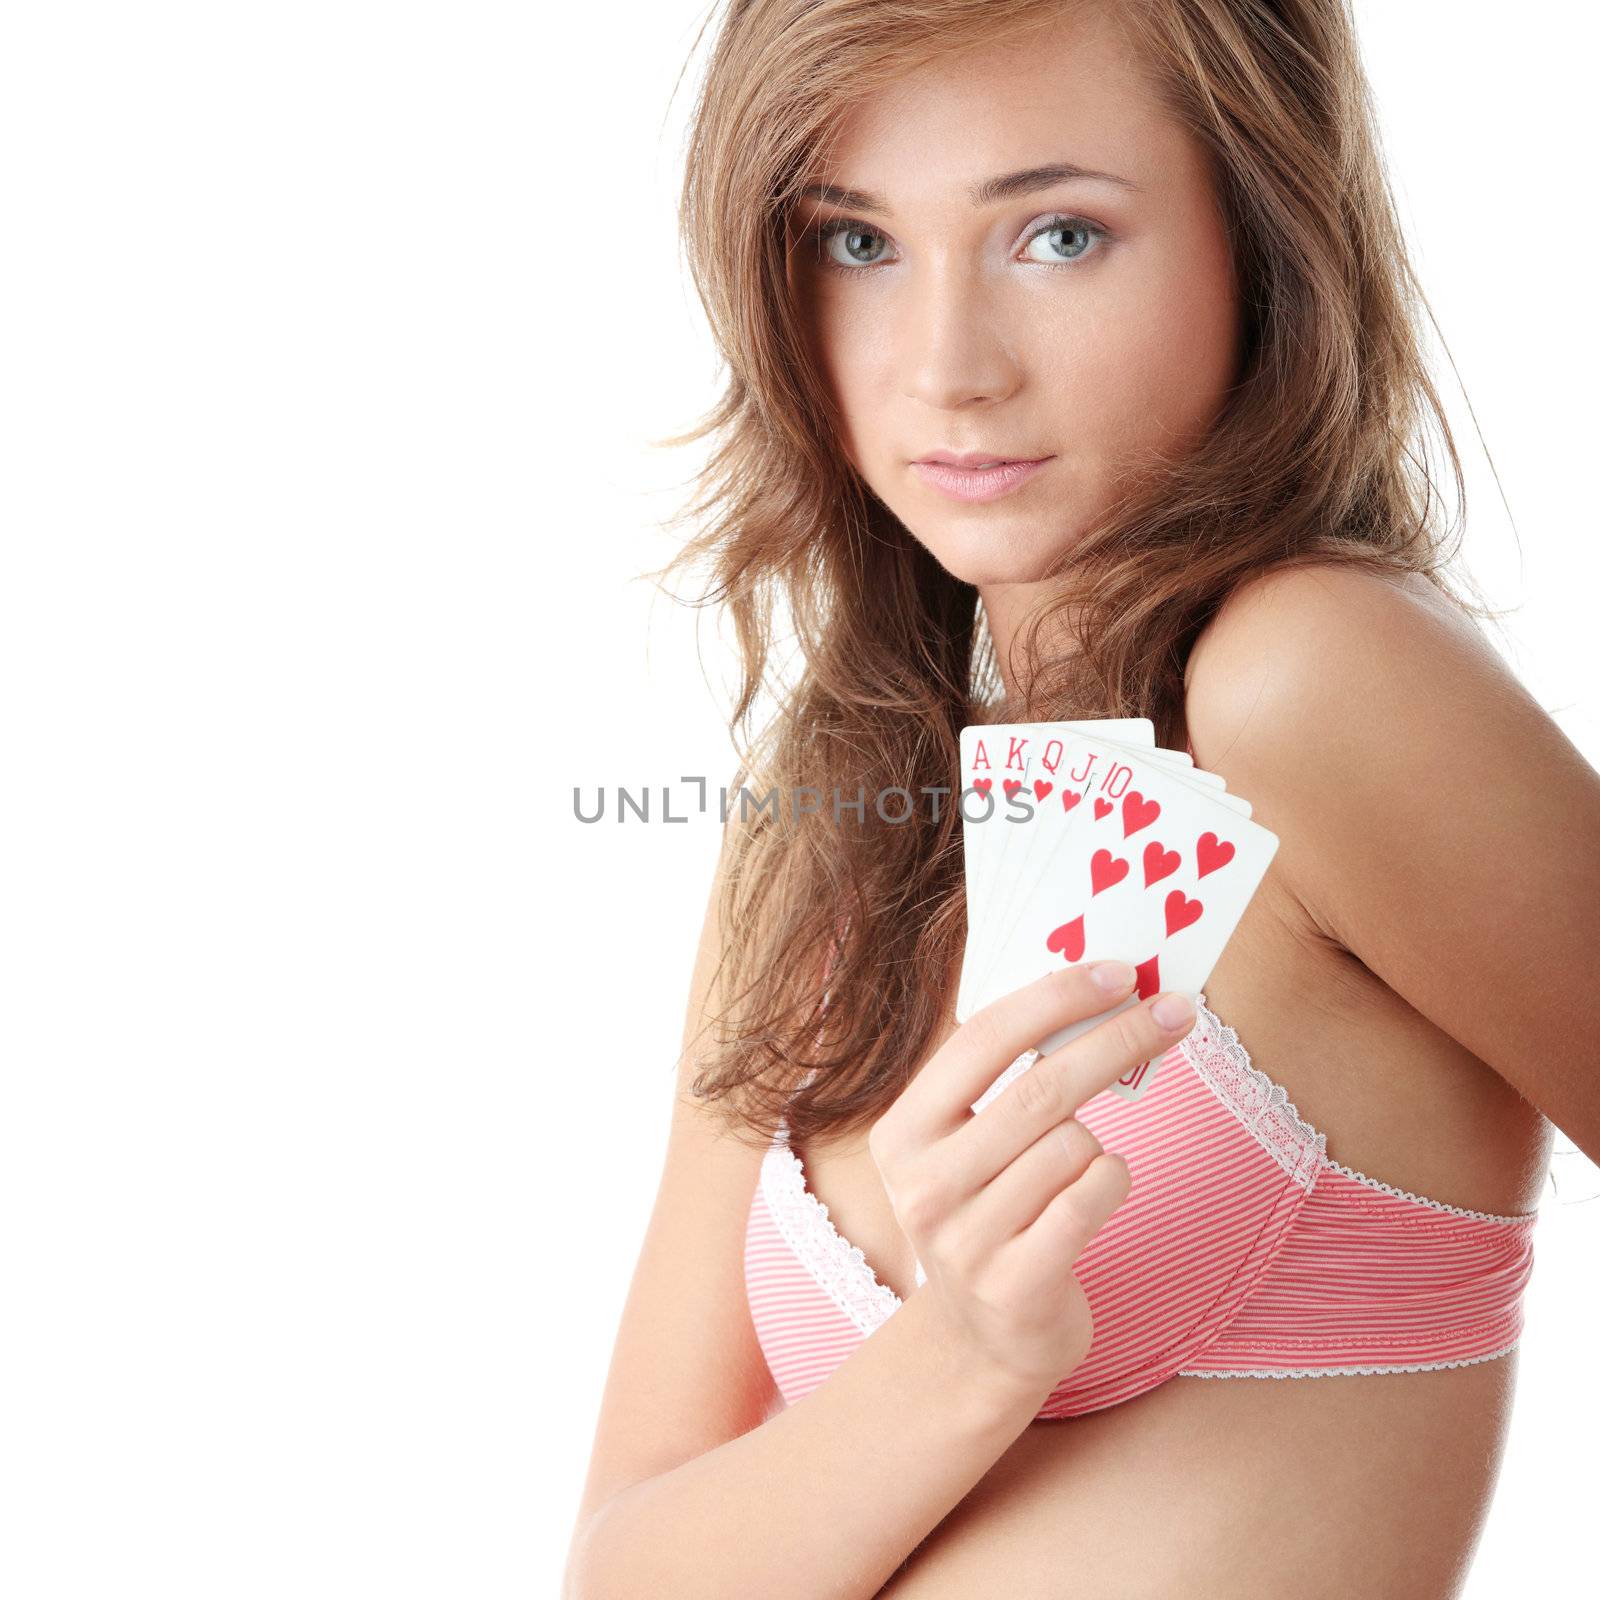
x=1072 y=237
x=1068 y=239
x=851 y=233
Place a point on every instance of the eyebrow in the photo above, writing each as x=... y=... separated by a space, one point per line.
x=1005 y=187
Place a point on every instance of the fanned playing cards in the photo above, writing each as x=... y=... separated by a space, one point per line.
x=1085 y=842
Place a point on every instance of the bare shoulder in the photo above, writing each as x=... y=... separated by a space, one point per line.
x=1317 y=687
x=1432 y=818
x=1312 y=639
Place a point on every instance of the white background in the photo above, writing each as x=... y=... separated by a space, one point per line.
x=338 y=1056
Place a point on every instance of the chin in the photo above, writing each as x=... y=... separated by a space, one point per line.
x=989 y=556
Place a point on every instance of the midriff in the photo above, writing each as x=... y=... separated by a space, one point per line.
x=1234 y=1489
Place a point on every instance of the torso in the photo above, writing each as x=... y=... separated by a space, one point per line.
x=1230 y=1489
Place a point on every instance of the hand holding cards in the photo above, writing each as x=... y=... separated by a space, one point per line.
x=1085 y=842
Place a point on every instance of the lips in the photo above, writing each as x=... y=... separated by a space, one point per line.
x=973 y=482
x=973 y=459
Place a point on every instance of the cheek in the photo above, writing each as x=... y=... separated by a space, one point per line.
x=1145 y=363
x=854 y=355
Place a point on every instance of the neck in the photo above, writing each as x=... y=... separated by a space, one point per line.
x=1007 y=608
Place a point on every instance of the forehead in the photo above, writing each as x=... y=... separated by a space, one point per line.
x=1075 y=90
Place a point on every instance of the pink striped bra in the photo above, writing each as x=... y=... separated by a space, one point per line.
x=1241 y=1251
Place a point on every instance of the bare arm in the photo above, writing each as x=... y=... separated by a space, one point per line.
x=689 y=1492
x=827 y=1498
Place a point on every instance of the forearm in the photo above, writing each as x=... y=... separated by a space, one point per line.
x=824 y=1500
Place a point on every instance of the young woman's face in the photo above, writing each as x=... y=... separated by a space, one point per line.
x=1087 y=318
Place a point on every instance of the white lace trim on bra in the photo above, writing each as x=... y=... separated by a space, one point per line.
x=1212 y=1048
x=1423 y=1200
x=840 y=1268
x=1350 y=1372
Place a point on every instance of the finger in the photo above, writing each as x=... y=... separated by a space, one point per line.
x=1055 y=1087
x=1076 y=1215
x=939 y=1098
x=1118 y=1044
x=1016 y=1196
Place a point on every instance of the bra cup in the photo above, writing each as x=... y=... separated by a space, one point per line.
x=1216 y=1189
x=1215 y=1265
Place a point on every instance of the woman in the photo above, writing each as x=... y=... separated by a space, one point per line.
x=1148 y=245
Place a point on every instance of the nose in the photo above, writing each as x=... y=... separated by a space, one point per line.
x=955 y=348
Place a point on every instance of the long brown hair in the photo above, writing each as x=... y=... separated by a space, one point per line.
x=1331 y=448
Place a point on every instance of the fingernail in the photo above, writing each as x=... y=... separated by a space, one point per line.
x=1173 y=1010
x=1110 y=975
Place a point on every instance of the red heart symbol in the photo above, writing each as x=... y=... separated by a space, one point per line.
x=1212 y=855
x=1067 y=941
x=1101 y=807
x=982 y=785
x=1137 y=812
x=1181 y=911
x=1159 y=863
x=1105 y=870
x=1149 y=976
x=1069 y=798
x=1041 y=788
x=1011 y=785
